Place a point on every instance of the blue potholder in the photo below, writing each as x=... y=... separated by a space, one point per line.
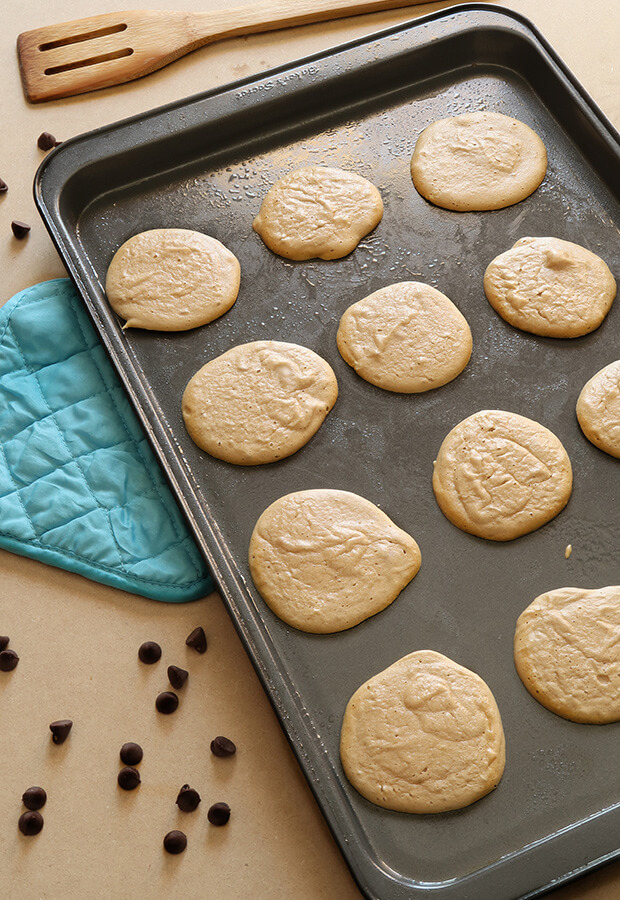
x=80 y=488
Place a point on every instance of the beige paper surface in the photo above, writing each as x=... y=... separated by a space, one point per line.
x=78 y=641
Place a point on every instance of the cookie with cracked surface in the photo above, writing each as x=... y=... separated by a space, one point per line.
x=318 y=212
x=423 y=736
x=567 y=653
x=258 y=402
x=478 y=161
x=499 y=475
x=550 y=287
x=324 y=560
x=406 y=337
x=172 y=279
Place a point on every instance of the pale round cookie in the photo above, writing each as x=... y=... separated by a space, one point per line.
x=325 y=560
x=258 y=402
x=499 y=475
x=406 y=337
x=567 y=653
x=598 y=409
x=478 y=161
x=172 y=279
x=550 y=287
x=318 y=211
x=423 y=736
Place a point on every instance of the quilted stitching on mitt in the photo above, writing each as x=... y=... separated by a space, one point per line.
x=79 y=485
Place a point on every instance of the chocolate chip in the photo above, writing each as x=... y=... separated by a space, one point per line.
x=149 y=652
x=219 y=813
x=34 y=798
x=177 y=677
x=3 y=186
x=60 y=730
x=197 y=640
x=222 y=746
x=46 y=141
x=188 y=799
x=175 y=842
x=4 y=642
x=20 y=229
x=131 y=754
x=166 y=702
x=128 y=778
x=8 y=660
x=30 y=822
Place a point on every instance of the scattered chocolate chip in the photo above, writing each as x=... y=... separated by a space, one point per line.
x=166 y=702
x=197 y=640
x=30 y=822
x=4 y=642
x=131 y=754
x=177 y=677
x=128 y=778
x=60 y=730
x=20 y=229
x=222 y=746
x=188 y=799
x=175 y=842
x=8 y=660
x=34 y=798
x=219 y=813
x=46 y=141
x=149 y=652
x=3 y=186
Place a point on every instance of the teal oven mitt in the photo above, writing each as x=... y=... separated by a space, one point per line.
x=80 y=487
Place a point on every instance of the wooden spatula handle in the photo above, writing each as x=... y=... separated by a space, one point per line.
x=269 y=15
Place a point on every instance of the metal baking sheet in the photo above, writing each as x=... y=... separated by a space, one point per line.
x=206 y=163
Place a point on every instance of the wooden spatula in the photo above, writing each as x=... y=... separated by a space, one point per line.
x=88 y=54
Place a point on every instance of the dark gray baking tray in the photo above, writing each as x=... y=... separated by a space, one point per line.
x=206 y=163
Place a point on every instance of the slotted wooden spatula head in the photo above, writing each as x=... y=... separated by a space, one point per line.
x=87 y=54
